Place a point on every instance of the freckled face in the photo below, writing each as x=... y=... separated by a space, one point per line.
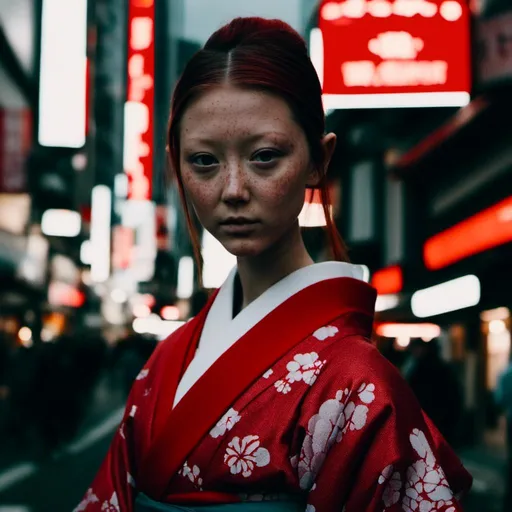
x=245 y=164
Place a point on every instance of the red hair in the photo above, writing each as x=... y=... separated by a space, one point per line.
x=267 y=55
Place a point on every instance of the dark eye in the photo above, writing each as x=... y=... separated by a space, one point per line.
x=266 y=156
x=203 y=160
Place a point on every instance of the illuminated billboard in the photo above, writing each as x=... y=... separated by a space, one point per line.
x=139 y=107
x=63 y=74
x=393 y=53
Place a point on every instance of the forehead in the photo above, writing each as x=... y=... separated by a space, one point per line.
x=232 y=112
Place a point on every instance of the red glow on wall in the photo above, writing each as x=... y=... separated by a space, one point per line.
x=139 y=108
x=391 y=47
x=388 y=280
x=489 y=228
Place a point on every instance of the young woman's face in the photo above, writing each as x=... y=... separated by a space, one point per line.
x=245 y=164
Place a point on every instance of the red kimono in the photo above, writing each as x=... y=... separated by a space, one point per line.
x=300 y=404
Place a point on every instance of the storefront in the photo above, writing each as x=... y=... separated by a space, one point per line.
x=457 y=230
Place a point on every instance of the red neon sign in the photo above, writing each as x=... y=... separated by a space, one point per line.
x=388 y=280
x=381 y=53
x=490 y=228
x=139 y=108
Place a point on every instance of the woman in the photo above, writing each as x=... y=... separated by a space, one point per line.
x=271 y=397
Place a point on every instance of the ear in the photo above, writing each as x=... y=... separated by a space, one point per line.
x=328 y=147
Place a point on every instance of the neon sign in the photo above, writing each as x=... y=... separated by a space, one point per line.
x=139 y=108
x=393 y=53
x=451 y=10
x=487 y=229
x=388 y=280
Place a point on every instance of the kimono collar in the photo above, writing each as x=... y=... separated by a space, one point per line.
x=221 y=330
x=177 y=430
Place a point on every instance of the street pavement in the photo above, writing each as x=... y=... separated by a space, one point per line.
x=57 y=483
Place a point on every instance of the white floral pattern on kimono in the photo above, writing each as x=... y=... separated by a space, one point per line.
x=393 y=480
x=334 y=419
x=227 y=422
x=425 y=488
x=192 y=473
x=242 y=456
x=142 y=374
x=89 y=498
x=304 y=368
x=131 y=480
x=112 y=505
x=325 y=332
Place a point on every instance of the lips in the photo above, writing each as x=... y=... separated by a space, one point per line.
x=238 y=225
x=237 y=221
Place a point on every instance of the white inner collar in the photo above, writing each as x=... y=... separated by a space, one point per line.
x=221 y=330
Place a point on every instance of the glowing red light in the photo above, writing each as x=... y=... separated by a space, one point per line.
x=490 y=228
x=391 y=47
x=139 y=109
x=388 y=280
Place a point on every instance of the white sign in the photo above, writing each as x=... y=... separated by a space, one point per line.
x=63 y=87
x=460 y=293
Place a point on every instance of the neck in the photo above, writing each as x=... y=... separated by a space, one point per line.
x=258 y=274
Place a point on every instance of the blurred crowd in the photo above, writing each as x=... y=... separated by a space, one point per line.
x=46 y=389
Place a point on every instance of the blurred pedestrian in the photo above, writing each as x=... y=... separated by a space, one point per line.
x=65 y=374
x=504 y=400
x=435 y=385
x=21 y=383
x=198 y=301
x=5 y=361
x=129 y=356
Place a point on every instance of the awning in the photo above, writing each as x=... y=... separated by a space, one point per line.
x=449 y=130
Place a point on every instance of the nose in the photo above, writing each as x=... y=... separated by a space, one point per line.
x=235 y=190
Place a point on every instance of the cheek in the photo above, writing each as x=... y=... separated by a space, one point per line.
x=287 y=190
x=199 y=193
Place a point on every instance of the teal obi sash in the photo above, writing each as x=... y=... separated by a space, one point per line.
x=145 y=504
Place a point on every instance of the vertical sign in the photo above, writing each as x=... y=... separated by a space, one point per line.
x=62 y=76
x=139 y=107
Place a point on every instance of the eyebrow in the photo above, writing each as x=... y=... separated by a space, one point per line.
x=246 y=140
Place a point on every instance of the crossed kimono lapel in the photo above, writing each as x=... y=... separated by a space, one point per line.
x=178 y=431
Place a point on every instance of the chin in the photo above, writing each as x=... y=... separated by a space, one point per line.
x=242 y=248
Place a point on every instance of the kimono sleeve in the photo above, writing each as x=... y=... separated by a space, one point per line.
x=370 y=447
x=113 y=488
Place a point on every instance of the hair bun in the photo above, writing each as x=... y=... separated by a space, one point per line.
x=254 y=30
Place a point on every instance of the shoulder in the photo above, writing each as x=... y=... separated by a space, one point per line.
x=353 y=362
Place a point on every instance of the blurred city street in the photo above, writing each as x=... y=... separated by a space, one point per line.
x=99 y=261
x=58 y=481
